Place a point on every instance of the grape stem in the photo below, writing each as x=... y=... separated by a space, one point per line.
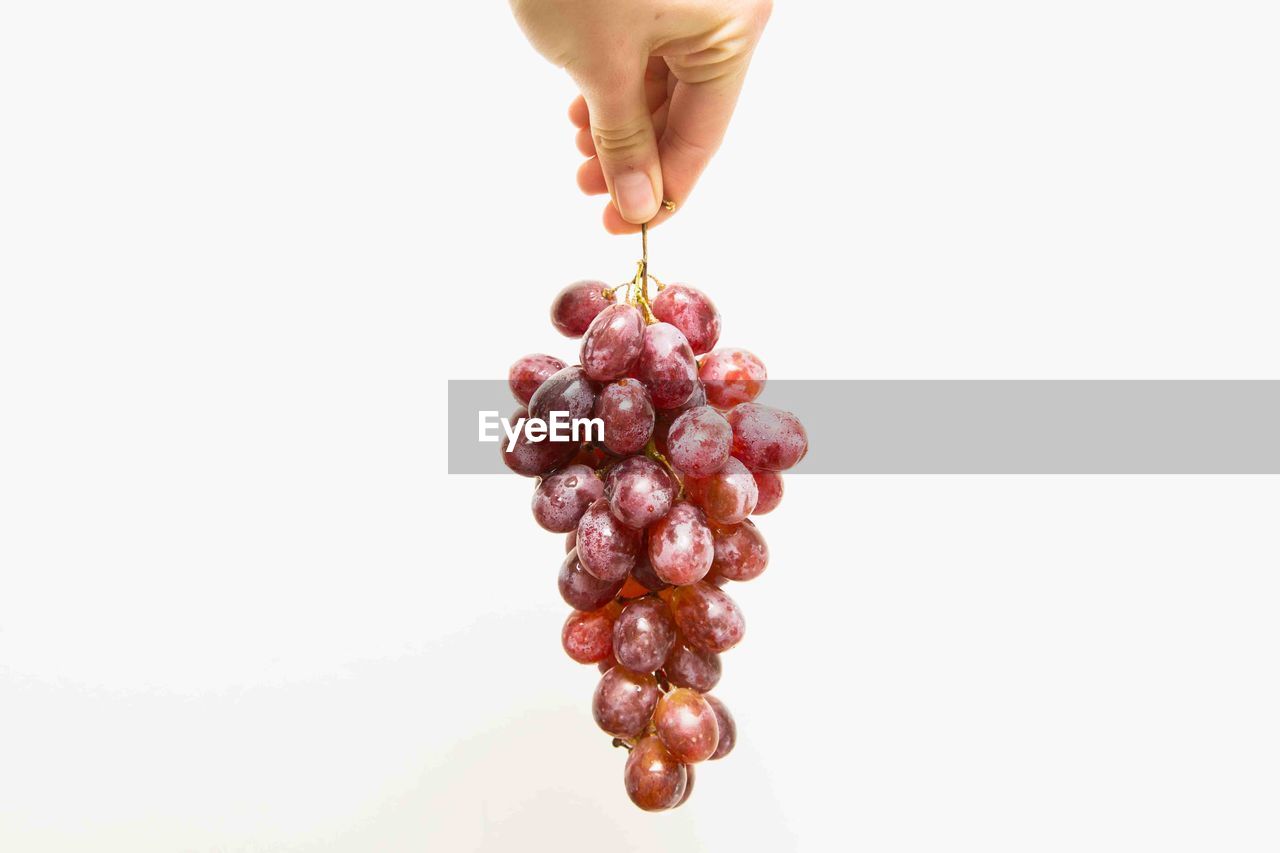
x=622 y=743
x=651 y=450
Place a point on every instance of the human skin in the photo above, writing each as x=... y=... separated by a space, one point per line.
x=659 y=82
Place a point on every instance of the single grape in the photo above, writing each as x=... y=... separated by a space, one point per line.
x=740 y=551
x=613 y=342
x=664 y=418
x=687 y=726
x=533 y=458
x=767 y=439
x=606 y=546
x=560 y=500
x=569 y=391
x=655 y=780
x=580 y=589
x=627 y=413
x=587 y=636
x=640 y=491
x=689 y=666
x=644 y=573
x=643 y=634
x=577 y=305
x=732 y=376
x=727 y=727
x=769 y=487
x=529 y=372
x=571 y=540
x=667 y=366
x=688 y=786
x=624 y=701
x=708 y=617
x=699 y=442
x=680 y=546
x=690 y=311
x=727 y=496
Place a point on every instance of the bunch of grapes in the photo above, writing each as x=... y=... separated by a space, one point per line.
x=656 y=513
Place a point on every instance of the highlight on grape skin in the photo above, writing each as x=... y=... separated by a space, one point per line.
x=654 y=511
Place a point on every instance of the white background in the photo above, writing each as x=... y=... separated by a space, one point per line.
x=243 y=608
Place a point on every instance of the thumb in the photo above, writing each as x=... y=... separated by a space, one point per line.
x=622 y=129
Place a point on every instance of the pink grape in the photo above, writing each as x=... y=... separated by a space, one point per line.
x=587 y=637
x=727 y=496
x=732 y=376
x=707 y=617
x=643 y=634
x=580 y=589
x=690 y=311
x=577 y=305
x=613 y=342
x=687 y=726
x=740 y=551
x=529 y=372
x=767 y=439
x=640 y=491
x=533 y=458
x=667 y=366
x=568 y=390
x=606 y=546
x=680 y=545
x=624 y=701
x=699 y=442
x=725 y=725
x=689 y=666
x=655 y=780
x=560 y=500
x=769 y=488
x=628 y=416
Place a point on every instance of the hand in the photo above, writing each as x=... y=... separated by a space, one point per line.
x=659 y=81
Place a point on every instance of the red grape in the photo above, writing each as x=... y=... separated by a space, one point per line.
x=727 y=727
x=606 y=546
x=667 y=366
x=640 y=491
x=577 y=305
x=769 y=487
x=569 y=391
x=708 y=617
x=560 y=500
x=740 y=551
x=686 y=724
x=571 y=540
x=655 y=780
x=529 y=372
x=699 y=442
x=766 y=438
x=688 y=786
x=624 y=701
x=727 y=496
x=732 y=376
x=613 y=342
x=627 y=413
x=643 y=635
x=533 y=458
x=690 y=666
x=690 y=311
x=680 y=546
x=645 y=575
x=587 y=637
x=580 y=589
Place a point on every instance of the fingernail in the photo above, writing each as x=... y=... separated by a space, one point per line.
x=635 y=196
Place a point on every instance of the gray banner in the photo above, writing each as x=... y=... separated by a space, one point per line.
x=984 y=426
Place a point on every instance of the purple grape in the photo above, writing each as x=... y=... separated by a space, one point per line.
x=725 y=725
x=640 y=491
x=690 y=311
x=643 y=634
x=582 y=590
x=667 y=366
x=767 y=439
x=699 y=442
x=569 y=391
x=628 y=417
x=571 y=540
x=533 y=458
x=644 y=574
x=560 y=500
x=612 y=344
x=624 y=701
x=529 y=372
x=689 y=666
x=577 y=305
x=606 y=546
x=728 y=496
x=707 y=617
x=680 y=545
